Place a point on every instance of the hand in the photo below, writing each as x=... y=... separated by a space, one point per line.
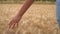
x=14 y=22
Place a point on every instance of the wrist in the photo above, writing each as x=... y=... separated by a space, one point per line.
x=18 y=16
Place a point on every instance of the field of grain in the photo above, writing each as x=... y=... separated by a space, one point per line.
x=39 y=19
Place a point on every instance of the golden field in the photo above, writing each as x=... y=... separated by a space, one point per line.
x=39 y=19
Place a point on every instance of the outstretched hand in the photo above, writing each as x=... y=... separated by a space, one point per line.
x=14 y=22
x=16 y=19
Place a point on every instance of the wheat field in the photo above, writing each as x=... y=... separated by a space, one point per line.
x=39 y=19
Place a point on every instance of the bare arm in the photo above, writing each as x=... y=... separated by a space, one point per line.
x=25 y=7
x=17 y=18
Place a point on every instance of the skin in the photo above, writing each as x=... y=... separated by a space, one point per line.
x=15 y=20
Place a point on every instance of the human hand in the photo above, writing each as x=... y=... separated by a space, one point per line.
x=14 y=22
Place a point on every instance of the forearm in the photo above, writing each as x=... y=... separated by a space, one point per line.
x=17 y=18
x=24 y=8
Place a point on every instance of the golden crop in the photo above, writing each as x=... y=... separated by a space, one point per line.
x=39 y=19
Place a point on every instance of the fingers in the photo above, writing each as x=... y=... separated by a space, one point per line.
x=17 y=24
x=10 y=24
x=13 y=24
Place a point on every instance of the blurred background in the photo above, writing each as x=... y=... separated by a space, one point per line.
x=40 y=18
x=21 y=1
